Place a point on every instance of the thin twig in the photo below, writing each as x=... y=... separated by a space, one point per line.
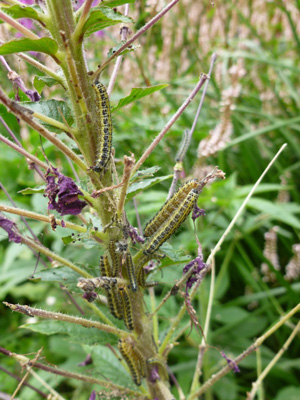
x=216 y=377
x=26 y=116
x=170 y=123
x=25 y=153
x=124 y=31
x=265 y=372
x=19 y=27
x=134 y=37
x=57 y=371
x=31 y=311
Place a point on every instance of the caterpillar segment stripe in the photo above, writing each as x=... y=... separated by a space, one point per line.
x=128 y=355
x=115 y=259
x=127 y=310
x=169 y=207
x=172 y=224
x=105 y=130
x=131 y=272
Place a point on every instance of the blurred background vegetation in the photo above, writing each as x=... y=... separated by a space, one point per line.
x=251 y=109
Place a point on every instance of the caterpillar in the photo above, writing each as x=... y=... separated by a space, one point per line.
x=115 y=259
x=132 y=361
x=184 y=145
x=114 y=303
x=169 y=207
x=105 y=131
x=131 y=272
x=172 y=224
x=127 y=310
x=89 y=285
x=104 y=266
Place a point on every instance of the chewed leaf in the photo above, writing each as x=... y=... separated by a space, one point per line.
x=43 y=45
x=137 y=187
x=37 y=189
x=145 y=173
x=40 y=81
x=127 y=50
x=102 y=17
x=138 y=93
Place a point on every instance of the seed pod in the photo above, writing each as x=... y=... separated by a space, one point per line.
x=105 y=130
x=169 y=207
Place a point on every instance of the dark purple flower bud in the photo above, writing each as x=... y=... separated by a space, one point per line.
x=66 y=191
x=89 y=296
x=63 y=224
x=88 y=360
x=197 y=264
x=11 y=228
x=197 y=212
x=154 y=375
x=18 y=82
x=231 y=363
x=134 y=235
x=93 y=395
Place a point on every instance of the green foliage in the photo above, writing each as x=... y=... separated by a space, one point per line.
x=43 y=45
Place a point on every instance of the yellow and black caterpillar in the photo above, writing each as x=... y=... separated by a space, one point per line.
x=166 y=230
x=105 y=131
x=169 y=207
x=134 y=359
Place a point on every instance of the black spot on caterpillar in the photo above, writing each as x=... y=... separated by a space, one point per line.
x=172 y=224
x=132 y=360
x=131 y=272
x=105 y=130
x=169 y=207
x=126 y=304
x=115 y=258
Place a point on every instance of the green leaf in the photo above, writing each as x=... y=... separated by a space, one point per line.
x=108 y=365
x=116 y=3
x=290 y=392
x=17 y=11
x=76 y=333
x=138 y=93
x=144 y=173
x=40 y=81
x=278 y=212
x=43 y=45
x=137 y=187
x=102 y=17
x=37 y=189
x=62 y=275
x=50 y=108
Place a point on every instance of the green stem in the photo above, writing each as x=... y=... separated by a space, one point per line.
x=19 y=27
x=44 y=250
x=53 y=122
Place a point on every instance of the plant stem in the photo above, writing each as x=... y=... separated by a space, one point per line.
x=134 y=37
x=44 y=250
x=37 y=312
x=52 y=122
x=78 y=33
x=216 y=377
x=25 y=153
x=19 y=27
x=169 y=124
x=265 y=372
x=26 y=116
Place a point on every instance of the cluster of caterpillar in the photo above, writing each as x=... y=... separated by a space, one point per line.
x=103 y=150
x=170 y=217
x=134 y=359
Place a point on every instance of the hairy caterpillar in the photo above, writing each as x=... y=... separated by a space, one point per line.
x=184 y=145
x=131 y=272
x=115 y=259
x=172 y=224
x=169 y=207
x=134 y=360
x=105 y=134
x=127 y=310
